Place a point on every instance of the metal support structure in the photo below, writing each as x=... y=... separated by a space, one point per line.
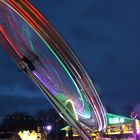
x=70 y=133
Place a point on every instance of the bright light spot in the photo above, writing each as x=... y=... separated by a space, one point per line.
x=48 y=128
x=137 y=126
x=122 y=120
x=26 y=135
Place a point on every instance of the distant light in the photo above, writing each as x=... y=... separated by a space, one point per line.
x=122 y=120
x=137 y=126
x=48 y=128
x=26 y=135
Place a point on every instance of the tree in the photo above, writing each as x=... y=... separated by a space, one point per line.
x=51 y=117
x=19 y=121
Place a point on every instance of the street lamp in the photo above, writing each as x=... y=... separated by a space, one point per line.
x=48 y=128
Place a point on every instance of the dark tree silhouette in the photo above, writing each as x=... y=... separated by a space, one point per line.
x=51 y=117
x=18 y=121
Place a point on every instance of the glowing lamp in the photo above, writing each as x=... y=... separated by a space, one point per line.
x=48 y=128
x=26 y=135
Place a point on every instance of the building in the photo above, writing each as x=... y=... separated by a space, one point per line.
x=118 y=127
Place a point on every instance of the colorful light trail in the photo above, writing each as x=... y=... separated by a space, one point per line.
x=42 y=54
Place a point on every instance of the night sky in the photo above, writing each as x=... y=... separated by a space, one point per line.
x=105 y=35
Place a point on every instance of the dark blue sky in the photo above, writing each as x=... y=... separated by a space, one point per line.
x=106 y=37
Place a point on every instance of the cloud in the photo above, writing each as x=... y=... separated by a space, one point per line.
x=21 y=91
x=10 y=104
x=104 y=35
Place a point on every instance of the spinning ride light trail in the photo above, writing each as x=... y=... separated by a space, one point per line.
x=48 y=61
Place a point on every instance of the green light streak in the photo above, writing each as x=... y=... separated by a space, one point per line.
x=66 y=70
x=85 y=103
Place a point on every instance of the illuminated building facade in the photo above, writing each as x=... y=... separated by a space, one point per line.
x=117 y=127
